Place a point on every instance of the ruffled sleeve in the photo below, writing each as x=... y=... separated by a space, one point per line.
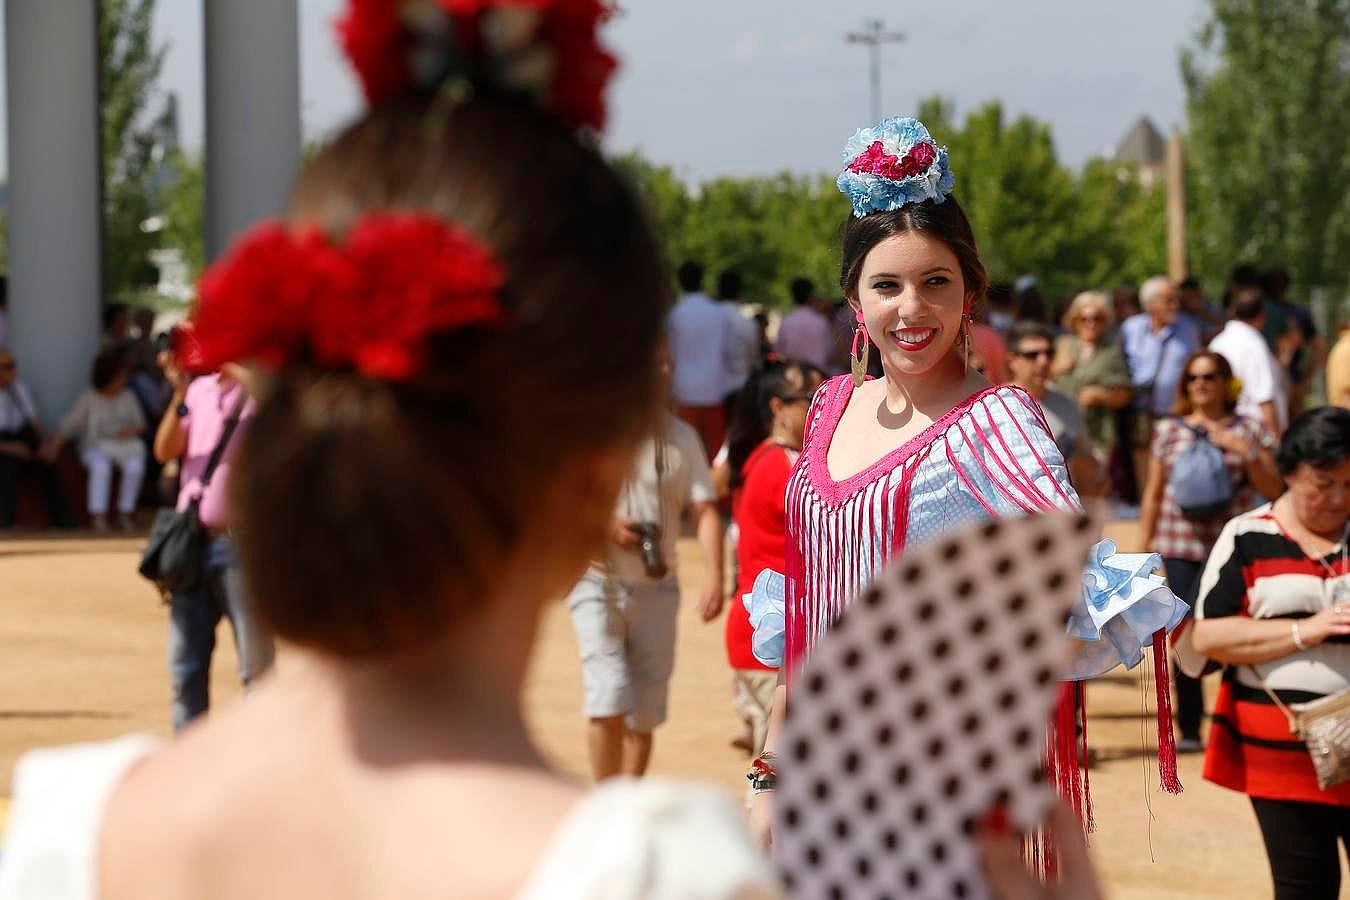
x=653 y=840
x=1124 y=602
x=766 y=603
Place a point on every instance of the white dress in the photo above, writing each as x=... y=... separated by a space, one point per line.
x=628 y=839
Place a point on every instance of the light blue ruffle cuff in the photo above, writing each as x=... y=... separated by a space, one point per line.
x=1122 y=604
x=766 y=604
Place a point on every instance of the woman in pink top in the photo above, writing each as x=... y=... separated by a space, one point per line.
x=895 y=462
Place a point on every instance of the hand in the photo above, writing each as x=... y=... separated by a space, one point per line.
x=174 y=373
x=1092 y=395
x=710 y=606
x=50 y=451
x=1230 y=440
x=1332 y=622
x=16 y=449
x=624 y=533
x=761 y=821
x=1006 y=871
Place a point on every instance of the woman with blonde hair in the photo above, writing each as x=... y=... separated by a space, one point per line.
x=1090 y=367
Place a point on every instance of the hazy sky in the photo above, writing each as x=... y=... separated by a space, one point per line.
x=758 y=86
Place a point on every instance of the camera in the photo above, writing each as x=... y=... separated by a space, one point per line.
x=649 y=546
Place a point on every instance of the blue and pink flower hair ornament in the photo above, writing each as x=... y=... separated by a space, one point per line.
x=893 y=163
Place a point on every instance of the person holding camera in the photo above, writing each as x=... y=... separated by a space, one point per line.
x=624 y=608
x=197 y=420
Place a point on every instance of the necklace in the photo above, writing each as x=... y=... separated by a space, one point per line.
x=1340 y=586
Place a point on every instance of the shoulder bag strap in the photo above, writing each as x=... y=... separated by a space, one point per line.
x=1288 y=713
x=218 y=451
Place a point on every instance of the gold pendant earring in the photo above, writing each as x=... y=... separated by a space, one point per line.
x=967 y=354
x=860 y=357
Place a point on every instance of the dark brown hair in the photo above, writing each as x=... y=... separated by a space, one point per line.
x=375 y=514
x=945 y=221
x=108 y=366
x=1183 y=405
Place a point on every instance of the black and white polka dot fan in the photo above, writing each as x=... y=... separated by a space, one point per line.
x=924 y=707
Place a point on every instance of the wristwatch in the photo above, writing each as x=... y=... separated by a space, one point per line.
x=181 y=410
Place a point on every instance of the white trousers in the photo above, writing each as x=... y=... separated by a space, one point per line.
x=100 y=467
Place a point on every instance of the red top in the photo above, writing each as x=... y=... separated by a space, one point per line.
x=758 y=507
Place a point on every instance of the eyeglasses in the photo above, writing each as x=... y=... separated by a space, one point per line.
x=1033 y=354
x=1207 y=377
x=795 y=398
x=1091 y=317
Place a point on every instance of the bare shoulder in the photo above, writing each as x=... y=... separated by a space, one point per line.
x=160 y=822
x=273 y=799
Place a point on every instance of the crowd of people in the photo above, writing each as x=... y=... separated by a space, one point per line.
x=149 y=427
x=396 y=445
x=110 y=424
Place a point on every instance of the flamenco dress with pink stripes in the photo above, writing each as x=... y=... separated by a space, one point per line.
x=991 y=457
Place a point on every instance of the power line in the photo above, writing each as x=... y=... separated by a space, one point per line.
x=873 y=36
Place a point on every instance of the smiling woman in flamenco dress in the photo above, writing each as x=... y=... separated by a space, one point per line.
x=894 y=462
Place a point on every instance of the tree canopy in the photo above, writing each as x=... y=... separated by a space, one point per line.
x=1032 y=214
x=1268 y=103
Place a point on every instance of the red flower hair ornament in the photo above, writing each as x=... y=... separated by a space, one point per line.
x=545 y=49
x=366 y=304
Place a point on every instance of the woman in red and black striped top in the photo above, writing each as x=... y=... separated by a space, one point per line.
x=1274 y=606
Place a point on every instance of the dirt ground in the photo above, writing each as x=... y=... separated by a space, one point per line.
x=82 y=650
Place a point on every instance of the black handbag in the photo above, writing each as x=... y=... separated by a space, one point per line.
x=173 y=556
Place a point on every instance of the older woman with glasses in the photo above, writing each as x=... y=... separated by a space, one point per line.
x=1091 y=368
x=1204 y=411
x=1274 y=608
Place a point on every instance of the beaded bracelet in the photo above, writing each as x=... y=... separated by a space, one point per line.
x=763 y=774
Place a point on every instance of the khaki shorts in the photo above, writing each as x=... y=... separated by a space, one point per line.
x=626 y=634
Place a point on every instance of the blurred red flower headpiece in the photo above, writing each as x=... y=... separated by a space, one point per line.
x=366 y=304
x=547 y=49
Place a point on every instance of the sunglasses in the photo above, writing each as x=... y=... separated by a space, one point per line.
x=1207 y=377
x=795 y=398
x=1033 y=354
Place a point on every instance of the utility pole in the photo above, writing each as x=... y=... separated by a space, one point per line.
x=873 y=35
x=1177 y=268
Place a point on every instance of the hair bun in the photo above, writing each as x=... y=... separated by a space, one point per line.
x=544 y=50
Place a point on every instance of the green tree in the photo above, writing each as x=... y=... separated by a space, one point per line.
x=133 y=123
x=1031 y=214
x=1268 y=103
x=181 y=206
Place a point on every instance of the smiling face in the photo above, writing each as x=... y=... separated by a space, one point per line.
x=912 y=297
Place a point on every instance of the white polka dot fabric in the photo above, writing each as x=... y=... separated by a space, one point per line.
x=925 y=706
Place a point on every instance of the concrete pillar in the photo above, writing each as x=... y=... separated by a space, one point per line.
x=252 y=145
x=55 y=197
